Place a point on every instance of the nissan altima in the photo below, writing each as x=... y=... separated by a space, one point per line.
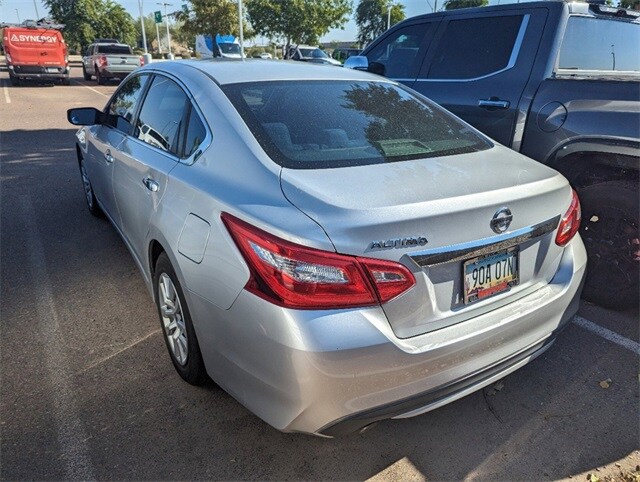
x=330 y=247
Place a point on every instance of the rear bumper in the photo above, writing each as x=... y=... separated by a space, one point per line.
x=39 y=72
x=116 y=71
x=335 y=372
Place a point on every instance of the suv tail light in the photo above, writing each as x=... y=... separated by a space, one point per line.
x=102 y=60
x=570 y=222
x=141 y=61
x=295 y=276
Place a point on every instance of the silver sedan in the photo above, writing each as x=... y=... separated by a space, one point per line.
x=330 y=247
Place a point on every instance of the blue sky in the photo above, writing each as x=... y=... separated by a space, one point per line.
x=27 y=9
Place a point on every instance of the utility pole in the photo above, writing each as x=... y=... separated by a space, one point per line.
x=158 y=38
x=18 y=15
x=166 y=21
x=36 y=7
x=389 y=16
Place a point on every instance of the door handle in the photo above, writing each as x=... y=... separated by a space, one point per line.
x=150 y=184
x=493 y=103
x=108 y=157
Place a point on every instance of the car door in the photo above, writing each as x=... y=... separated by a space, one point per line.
x=398 y=54
x=479 y=65
x=147 y=156
x=105 y=140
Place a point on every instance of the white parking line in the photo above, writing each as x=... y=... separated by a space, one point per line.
x=7 y=99
x=91 y=88
x=612 y=336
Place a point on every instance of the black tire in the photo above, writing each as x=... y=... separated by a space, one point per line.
x=101 y=80
x=191 y=369
x=610 y=231
x=85 y=74
x=15 y=81
x=90 y=197
x=66 y=81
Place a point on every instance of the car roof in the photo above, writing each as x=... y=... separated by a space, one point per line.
x=228 y=71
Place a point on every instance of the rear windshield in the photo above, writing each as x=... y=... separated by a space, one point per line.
x=114 y=49
x=313 y=54
x=323 y=124
x=600 y=44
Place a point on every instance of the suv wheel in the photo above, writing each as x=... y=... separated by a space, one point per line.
x=85 y=74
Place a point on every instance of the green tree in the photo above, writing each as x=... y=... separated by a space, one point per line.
x=297 y=21
x=455 y=4
x=372 y=17
x=634 y=4
x=86 y=20
x=210 y=17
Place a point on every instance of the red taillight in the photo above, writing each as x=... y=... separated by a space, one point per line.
x=570 y=222
x=141 y=61
x=295 y=276
x=102 y=60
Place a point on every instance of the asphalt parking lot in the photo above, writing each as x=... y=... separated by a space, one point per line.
x=87 y=390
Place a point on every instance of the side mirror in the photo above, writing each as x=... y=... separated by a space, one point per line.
x=84 y=116
x=376 y=68
x=357 y=62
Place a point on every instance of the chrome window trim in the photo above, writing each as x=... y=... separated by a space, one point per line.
x=463 y=251
x=512 y=59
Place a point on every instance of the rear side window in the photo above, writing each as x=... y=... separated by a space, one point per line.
x=125 y=101
x=599 y=44
x=476 y=47
x=399 y=52
x=323 y=124
x=162 y=115
x=196 y=133
x=115 y=49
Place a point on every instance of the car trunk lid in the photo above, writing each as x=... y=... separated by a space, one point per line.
x=433 y=215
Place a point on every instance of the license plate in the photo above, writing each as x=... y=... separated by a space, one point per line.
x=52 y=69
x=490 y=275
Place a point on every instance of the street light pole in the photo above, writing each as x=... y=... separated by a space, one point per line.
x=166 y=21
x=144 y=35
x=158 y=39
x=389 y=16
x=241 y=36
x=36 y=7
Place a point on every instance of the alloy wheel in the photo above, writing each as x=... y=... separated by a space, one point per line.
x=173 y=319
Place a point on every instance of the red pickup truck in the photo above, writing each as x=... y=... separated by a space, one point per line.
x=35 y=51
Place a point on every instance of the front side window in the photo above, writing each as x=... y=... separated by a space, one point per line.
x=399 y=52
x=475 y=47
x=322 y=124
x=125 y=101
x=599 y=44
x=162 y=114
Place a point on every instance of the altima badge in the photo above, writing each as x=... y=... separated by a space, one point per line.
x=398 y=243
x=501 y=220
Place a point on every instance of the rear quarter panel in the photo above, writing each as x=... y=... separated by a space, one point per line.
x=572 y=108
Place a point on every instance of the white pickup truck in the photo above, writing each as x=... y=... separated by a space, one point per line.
x=109 y=60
